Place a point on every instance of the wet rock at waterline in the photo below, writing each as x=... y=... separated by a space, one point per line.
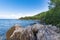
x=34 y=32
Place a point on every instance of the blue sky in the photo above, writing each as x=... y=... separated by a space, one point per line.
x=12 y=9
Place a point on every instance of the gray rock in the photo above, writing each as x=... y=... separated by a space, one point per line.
x=34 y=32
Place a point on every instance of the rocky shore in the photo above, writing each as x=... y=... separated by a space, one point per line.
x=33 y=32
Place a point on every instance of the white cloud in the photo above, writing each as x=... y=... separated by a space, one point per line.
x=7 y=15
x=13 y=16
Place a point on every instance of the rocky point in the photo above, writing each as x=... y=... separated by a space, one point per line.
x=33 y=32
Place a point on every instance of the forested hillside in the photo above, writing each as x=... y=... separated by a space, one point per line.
x=52 y=16
x=35 y=17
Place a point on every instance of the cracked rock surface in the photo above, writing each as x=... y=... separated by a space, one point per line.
x=34 y=32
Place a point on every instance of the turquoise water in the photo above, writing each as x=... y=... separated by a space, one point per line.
x=5 y=24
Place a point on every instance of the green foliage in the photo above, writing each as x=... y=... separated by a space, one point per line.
x=52 y=16
x=39 y=16
x=58 y=25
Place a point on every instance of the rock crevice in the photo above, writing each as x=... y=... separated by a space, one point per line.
x=34 y=32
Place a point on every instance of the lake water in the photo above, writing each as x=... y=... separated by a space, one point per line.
x=5 y=24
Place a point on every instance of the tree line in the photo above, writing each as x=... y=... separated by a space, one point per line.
x=52 y=16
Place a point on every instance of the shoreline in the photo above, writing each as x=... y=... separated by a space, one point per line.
x=34 y=32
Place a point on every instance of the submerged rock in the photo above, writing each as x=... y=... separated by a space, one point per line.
x=34 y=32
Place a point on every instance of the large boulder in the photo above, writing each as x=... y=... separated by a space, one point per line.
x=14 y=32
x=34 y=32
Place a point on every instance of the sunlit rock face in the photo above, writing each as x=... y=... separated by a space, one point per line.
x=34 y=32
